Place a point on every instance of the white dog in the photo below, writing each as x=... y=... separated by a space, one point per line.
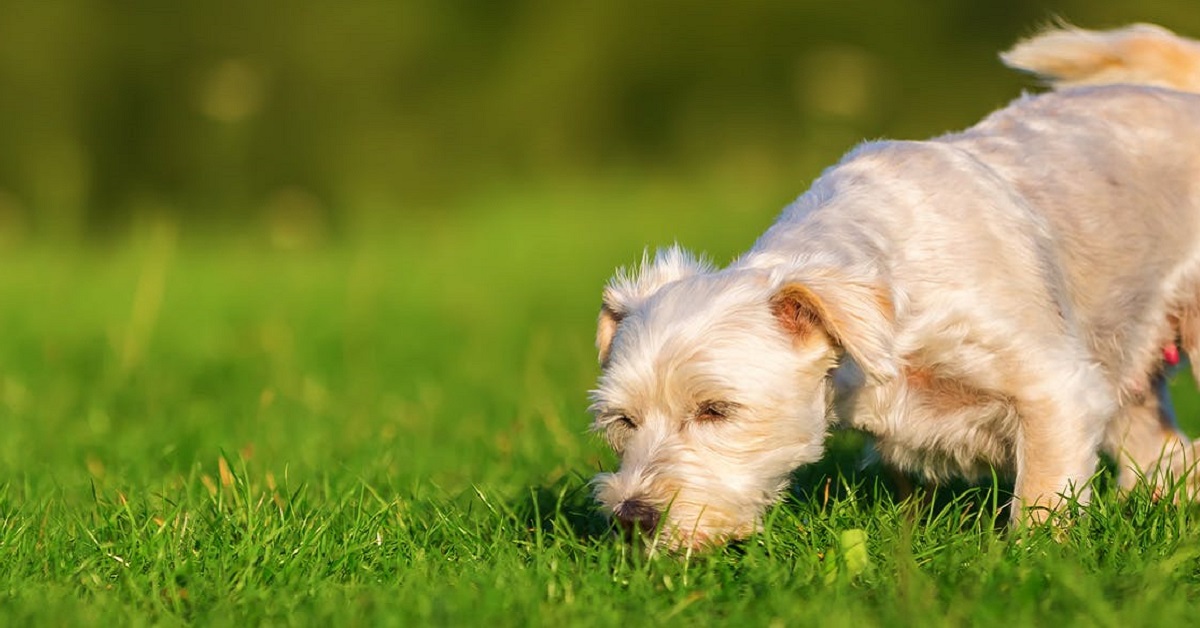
x=996 y=298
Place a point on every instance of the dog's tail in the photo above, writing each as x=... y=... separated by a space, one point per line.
x=1142 y=54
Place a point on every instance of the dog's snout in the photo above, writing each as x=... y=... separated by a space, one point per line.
x=635 y=515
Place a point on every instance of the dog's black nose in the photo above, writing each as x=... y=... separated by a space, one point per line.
x=636 y=515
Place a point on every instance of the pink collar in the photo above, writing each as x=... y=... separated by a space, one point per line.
x=1171 y=354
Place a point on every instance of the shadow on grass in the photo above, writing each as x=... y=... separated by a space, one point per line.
x=564 y=505
x=845 y=473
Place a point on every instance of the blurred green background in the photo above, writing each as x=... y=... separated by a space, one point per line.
x=372 y=236
x=293 y=124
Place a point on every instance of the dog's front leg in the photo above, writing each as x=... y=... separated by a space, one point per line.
x=1063 y=412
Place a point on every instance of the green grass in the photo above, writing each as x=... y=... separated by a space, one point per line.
x=393 y=432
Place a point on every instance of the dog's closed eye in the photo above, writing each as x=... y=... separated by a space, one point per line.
x=615 y=419
x=624 y=421
x=617 y=427
x=713 y=411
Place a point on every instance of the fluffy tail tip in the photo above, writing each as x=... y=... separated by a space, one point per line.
x=1143 y=54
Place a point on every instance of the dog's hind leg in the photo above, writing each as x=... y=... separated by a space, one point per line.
x=1145 y=440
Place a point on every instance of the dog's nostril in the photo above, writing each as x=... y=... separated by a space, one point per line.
x=635 y=515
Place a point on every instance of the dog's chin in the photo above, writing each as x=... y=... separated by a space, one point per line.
x=674 y=539
x=683 y=532
x=705 y=540
x=692 y=522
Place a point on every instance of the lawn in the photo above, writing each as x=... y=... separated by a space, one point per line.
x=390 y=428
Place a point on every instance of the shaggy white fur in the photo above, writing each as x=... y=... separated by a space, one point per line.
x=995 y=298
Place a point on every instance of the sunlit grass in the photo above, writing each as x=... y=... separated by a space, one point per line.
x=393 y=432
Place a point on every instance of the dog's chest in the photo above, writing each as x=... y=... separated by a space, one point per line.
x=935 y=425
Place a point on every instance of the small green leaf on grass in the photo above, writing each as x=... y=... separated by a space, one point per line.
x=850 y=558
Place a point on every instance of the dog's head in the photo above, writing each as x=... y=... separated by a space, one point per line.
x=715 y=387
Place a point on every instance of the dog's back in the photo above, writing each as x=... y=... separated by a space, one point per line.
x=1139 y=54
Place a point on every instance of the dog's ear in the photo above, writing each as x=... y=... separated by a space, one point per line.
x=606 y=330
x=856 y=316
x=628 y=290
